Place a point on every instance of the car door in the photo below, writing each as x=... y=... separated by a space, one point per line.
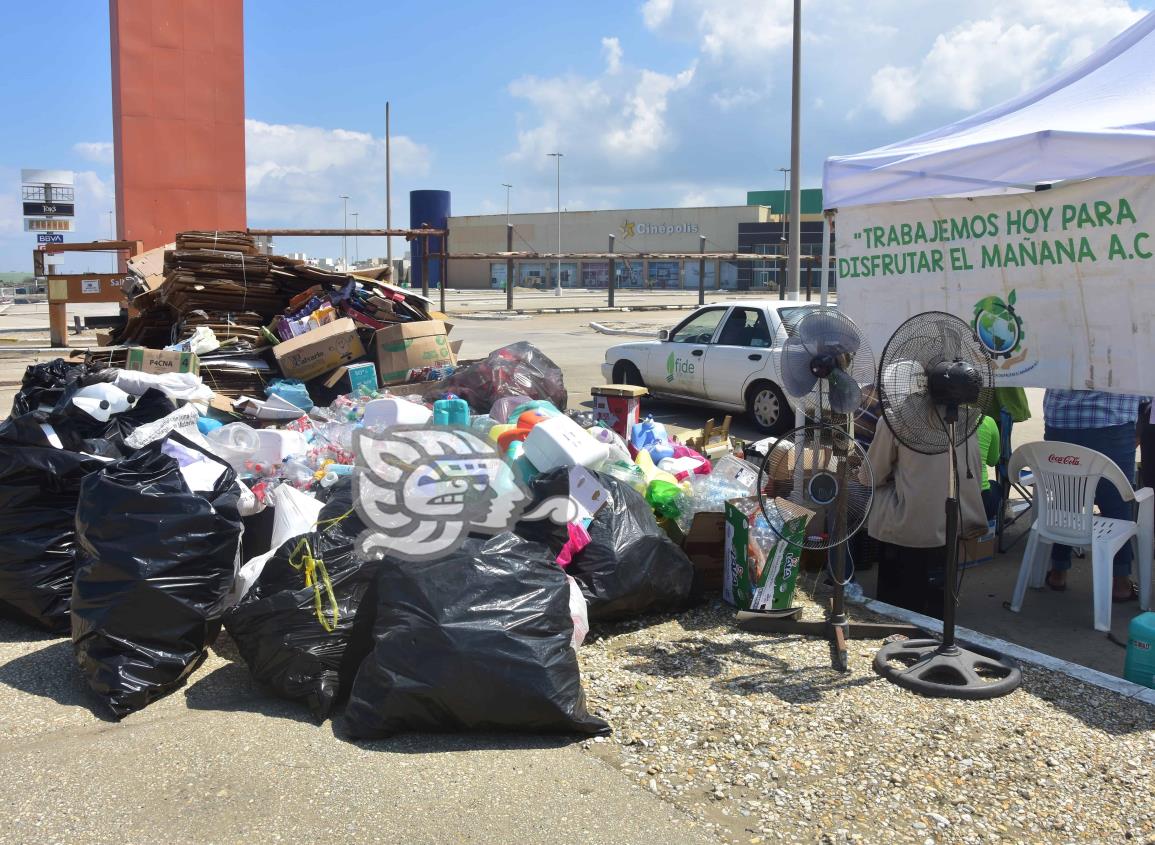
x=740 y=353
x=677 y=365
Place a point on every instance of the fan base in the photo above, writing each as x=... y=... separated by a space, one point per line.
x=836 y=629
x=933 y=669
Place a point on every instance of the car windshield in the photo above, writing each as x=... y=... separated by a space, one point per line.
x=699 y=328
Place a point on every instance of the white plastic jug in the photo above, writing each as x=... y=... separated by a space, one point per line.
x=391 y=410
x=560 y=442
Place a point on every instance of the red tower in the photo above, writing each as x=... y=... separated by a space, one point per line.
x=178 y=116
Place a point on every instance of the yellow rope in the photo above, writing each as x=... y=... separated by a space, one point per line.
x=313 y=566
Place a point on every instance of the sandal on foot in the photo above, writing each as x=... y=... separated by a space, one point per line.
x=1132 y=595
x=1058 y=588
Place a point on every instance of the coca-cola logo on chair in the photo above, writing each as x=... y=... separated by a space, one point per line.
x=1068 y=460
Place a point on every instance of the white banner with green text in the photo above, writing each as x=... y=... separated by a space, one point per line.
x=1059 y=285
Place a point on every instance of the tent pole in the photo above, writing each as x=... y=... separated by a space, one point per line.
x=824 y=275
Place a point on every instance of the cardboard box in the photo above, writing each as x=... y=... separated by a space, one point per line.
x=317 y=352
x=354 y=378
x=161 y=361
x=756 y=578
x=406 y=350
x=705 y=546
x=619 y=406
x=973 y=552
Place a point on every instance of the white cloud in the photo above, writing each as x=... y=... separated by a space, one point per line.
x=986 y=59
x=612 y=50
x=728 y=99
x=292 y=170
x=97 y=151
x=643 y=114
x=657 y=12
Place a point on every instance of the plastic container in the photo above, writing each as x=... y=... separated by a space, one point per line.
x=451 y=412
x=560 y=442
x=236 y=443
x=392 y=410
x=652 y=437
x=1139 y=667
x=543 y=406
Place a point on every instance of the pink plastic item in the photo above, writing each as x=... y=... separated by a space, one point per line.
x=579 y=538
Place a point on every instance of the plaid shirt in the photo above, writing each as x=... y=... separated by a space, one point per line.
x=1089 y=408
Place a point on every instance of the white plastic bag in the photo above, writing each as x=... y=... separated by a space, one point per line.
x=578 y=612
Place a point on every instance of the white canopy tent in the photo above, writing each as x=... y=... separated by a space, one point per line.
x=1097 y=119
x=936 y=222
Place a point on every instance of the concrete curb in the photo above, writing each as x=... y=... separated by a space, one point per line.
x=598 y=327
x=1094 y=677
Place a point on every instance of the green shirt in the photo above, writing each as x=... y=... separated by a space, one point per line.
x=1013 y=400
x=988 y=437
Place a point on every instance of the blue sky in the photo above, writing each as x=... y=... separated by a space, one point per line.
x=653 y=102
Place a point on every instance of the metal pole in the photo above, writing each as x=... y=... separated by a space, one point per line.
x=388 y=196
x=344 y=239
x=425 y=266
x=356 y=238
x=702 y=271
x=557 y=288
x=823 y=277
x=444 y=268
x=611 y=283
x=794 y=244
x=111 y=237
x=508 y=188
x=509 y=268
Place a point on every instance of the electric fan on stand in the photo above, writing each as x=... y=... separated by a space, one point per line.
x=933 y=379
x=826 y=366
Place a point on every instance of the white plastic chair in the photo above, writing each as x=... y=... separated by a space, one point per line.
x=1066 y=477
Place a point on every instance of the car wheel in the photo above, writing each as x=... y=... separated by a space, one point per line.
x=626 y=373
x=768 y=408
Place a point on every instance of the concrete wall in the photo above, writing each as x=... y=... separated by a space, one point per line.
x=636 y=230
x=178 y=109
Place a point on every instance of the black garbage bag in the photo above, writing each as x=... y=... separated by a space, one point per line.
x=297 y=639
x=43 y=384
x=39 y=488
x=520 y=369
x=156 y=563
x=478 y=640
x=631 y=566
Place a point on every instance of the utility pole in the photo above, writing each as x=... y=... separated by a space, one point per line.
x=508 y=188
x=557 y=290
x=782 y=239
x=794 y=280
x=344 y=239
x=388 y=197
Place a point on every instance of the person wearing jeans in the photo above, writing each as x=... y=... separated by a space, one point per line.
x=1104 y=422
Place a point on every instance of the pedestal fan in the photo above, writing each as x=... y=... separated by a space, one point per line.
x=934 y=377
x=826 y=365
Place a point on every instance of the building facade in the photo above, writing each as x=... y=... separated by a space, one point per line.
x=636 y=231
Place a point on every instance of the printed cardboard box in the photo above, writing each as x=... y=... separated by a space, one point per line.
x=755 y=578
x=354 y=378
x=407 y=350
x=320 y=351
x=161 y=361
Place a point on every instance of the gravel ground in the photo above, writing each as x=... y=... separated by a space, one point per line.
x=761 y=741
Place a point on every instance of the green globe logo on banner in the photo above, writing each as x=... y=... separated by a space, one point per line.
x=670 y=368
x=997 y=326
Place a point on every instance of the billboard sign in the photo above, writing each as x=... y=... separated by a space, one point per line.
x=49 y=209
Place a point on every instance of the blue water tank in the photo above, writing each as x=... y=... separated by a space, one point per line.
x=427 y=208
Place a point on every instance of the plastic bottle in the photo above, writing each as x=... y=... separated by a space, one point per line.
x=451 y=412
x=853 y=593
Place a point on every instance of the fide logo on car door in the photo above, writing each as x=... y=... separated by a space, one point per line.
x=675 y=367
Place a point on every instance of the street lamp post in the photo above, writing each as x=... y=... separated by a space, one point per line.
x=785 y=205
x=508 y=188
x=344 y=239
x=557 y=290
x=356 y=238
x=795 y=245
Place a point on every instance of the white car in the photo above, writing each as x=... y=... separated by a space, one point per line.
x=725 y=355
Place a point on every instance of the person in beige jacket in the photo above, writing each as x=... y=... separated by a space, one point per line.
x=908 y=517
